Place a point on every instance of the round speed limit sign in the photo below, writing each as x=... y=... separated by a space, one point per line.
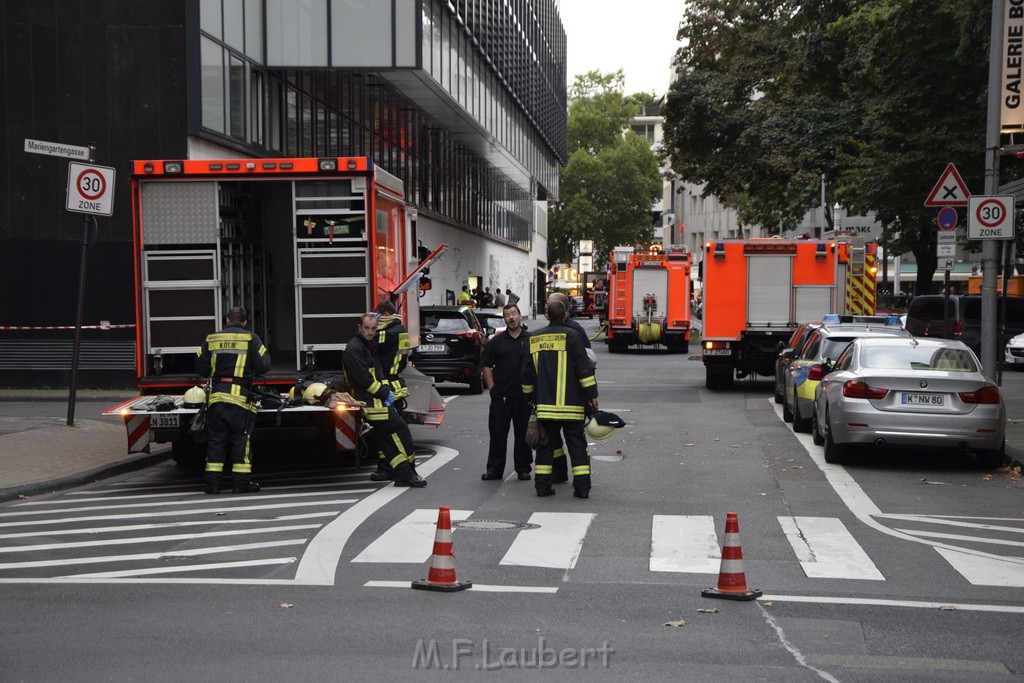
x=90 y=189
x=990 y=217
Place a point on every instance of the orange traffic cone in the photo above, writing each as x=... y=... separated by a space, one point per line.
x=441 y=576
x=732 y=582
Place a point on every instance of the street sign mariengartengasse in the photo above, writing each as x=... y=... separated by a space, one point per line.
x=57 y=149
x=990 y=217
x=90 y=189
x=950 y=190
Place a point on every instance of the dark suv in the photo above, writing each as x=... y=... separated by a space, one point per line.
x=451 y=342
x=960 y=319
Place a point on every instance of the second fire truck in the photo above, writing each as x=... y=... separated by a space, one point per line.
x=649 y=299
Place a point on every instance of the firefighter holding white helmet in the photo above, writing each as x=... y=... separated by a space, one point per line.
x=231 y=359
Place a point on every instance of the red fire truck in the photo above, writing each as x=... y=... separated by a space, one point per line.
x=649 y=298
x=305 y=245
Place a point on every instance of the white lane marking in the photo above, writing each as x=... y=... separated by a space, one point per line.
x=826 y=549
x=449 y=399
x=879 y=602
x=271 y=476
x=857 y=501
x=479 y=587
x=410 y=540
x=986 y=571
x=925 y=518
x=950 y=522
x=151 y=556
x=176 y=570
x=684 y=543
x=168 y=525
x=319 y=562
x=267 y=490
x=155 y=539
x=176 y=513
x=556 y=544
x=167 y=503
x=163 y=580
x=961 y=537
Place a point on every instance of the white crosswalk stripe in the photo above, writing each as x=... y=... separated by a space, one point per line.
x=408 y=541
x=684 y=543
x=827 y=550
x=556 y=544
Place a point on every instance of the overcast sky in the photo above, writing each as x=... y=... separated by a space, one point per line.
x=638 y=36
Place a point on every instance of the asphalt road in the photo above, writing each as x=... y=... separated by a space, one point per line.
x=902 y=566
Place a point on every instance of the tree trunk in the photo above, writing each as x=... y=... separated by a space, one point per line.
x=924 y=252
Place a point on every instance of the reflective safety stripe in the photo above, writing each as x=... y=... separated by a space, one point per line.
x=374 y=388
x=588 y=381
x=242 y=468
x=375 y=414
x=559 y=453
x=403 y=341
x=240 y=364
x=398 y=460
x=550 y=412
x=233 y=399
x=398 y=444
x=542 y=469
x=580 y=469
x=527 y=388
x=214 y=467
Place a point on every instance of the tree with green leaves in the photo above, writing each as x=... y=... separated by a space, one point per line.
x=776 y=96
x=612 y=177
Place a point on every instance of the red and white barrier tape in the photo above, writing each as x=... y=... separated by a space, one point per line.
x=101 y=326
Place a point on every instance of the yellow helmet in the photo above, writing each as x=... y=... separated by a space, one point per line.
x=315 y=391
x=598 y=431
x=194 y=397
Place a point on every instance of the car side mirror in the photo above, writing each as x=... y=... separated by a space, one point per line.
x=488 y=331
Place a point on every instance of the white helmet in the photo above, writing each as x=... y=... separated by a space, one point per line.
x=315 y=391
x=597 y=431
x=194 y=397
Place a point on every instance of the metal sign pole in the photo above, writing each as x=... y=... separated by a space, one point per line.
x=88 y=239
x=989 y=256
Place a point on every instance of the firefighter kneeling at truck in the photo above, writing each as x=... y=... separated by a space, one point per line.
x=392 y=351
x=231 y=359
x=367 y=383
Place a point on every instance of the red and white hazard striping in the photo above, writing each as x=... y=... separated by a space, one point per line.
x=138 y=433
x=345 y=431
x=101 y=326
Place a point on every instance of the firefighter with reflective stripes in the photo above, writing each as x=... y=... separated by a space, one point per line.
x=558 y=379
x=392 y=349
x=231 y=358
x=367 y=383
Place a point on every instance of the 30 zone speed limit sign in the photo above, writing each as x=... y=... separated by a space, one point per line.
x=90 y=189
x=990 y=217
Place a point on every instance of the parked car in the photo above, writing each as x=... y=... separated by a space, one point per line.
x=827 y=342
x=909 y=392
x=793 y=347
x=491 y=319
x=451 y=342
x=1014 y=353
x=930 y=316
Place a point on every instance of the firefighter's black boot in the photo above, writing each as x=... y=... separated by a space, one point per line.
x=245 y=487
x=212 y=485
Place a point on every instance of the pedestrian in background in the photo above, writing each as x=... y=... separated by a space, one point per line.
x=465 y=298
x=502 y=365
x=558 y=380
x=510 y=297
x=231 y=359
x=499 y=298
x=488 y=298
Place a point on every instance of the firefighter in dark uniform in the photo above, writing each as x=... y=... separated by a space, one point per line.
x=231 y=359
x=558 y=379
x=367 y=383
x=392 y=351
x=560 y=471
x=502 y=364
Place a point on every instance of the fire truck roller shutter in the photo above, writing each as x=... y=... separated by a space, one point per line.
x=769 y=290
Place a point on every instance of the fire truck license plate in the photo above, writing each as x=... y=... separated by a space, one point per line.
x=164 y=420
x=717 y=352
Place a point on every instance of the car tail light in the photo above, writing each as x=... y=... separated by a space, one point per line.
x=983 y=396
x=466 y=335
x=857 y=389
x=958 y=328
x=815 y=373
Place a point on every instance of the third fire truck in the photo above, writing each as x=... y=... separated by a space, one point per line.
x=649 y=298
x=757 y=291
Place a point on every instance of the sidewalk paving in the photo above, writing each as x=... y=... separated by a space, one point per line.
x=41 y=456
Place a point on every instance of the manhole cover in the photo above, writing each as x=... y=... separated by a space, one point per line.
x=492 y=525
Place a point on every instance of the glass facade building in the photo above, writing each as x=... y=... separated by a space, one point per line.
x=464 y=101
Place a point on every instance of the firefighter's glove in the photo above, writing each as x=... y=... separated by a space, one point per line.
x=533 y=432
x=390 y=399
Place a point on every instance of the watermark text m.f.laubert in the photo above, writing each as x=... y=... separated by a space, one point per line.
x=484 y=655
